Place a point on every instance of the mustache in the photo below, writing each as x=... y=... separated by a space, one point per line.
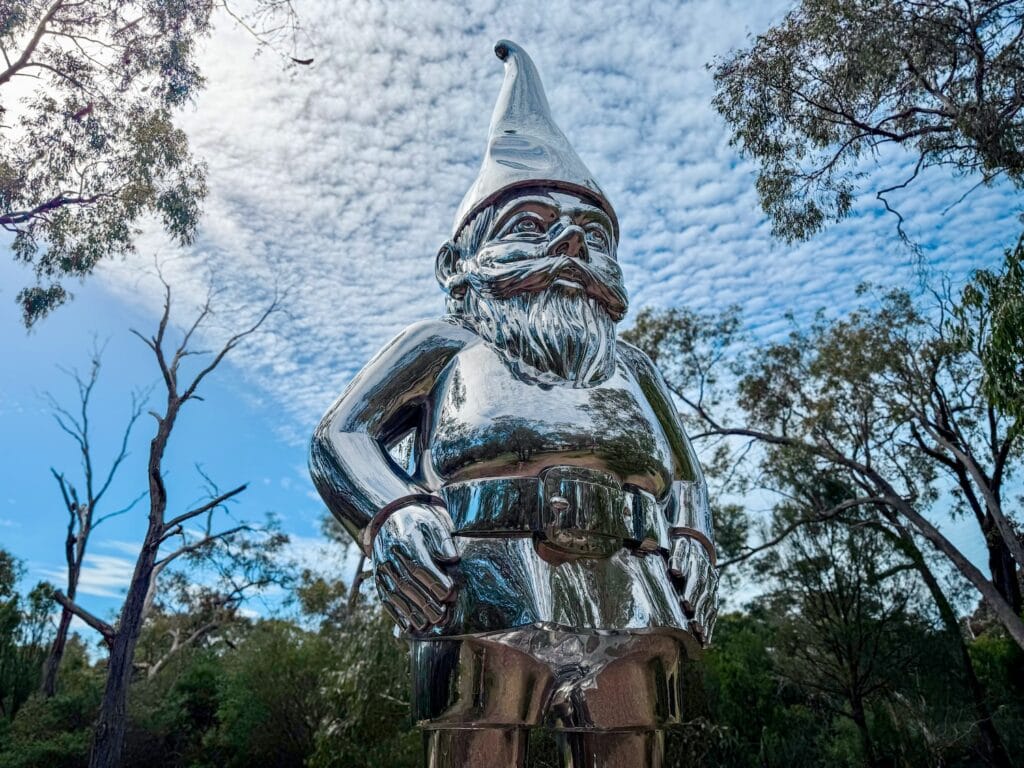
x=600 y=278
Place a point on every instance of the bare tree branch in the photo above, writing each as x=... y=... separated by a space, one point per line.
x=98 y=624
x=211 y=504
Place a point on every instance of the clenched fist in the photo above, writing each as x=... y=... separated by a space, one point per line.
x=410 y=552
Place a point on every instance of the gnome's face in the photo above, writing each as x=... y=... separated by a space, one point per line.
x=542 y=239
x=538 y=279
x=531 y=266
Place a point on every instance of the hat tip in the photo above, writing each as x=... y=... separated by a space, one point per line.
x=503 y=48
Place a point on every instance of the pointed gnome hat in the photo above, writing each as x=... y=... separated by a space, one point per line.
x=525 y=148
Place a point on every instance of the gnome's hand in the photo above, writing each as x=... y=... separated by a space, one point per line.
x=697 y=583
x=409 y=554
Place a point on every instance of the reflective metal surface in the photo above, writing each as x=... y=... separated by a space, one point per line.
x=536 y=517
x=621 y=687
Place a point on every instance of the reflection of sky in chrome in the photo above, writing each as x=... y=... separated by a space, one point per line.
x=342 y=179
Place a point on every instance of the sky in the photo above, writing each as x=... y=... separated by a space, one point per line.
x=337 y=183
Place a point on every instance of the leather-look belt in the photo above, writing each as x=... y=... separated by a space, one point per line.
x=575 y=509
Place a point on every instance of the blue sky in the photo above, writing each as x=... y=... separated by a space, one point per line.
x=339 y=181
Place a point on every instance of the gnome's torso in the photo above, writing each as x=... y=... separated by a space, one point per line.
x=536 y=518
x=485 y=421
x=499 y=448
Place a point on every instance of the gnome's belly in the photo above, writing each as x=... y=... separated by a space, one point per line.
x=488 y=423
x=496 y=432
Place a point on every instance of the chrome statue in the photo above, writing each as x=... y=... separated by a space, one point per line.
x=537 y=520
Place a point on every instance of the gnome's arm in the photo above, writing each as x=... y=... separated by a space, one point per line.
x=692 y=556
x=349 y=458
x=686 y=506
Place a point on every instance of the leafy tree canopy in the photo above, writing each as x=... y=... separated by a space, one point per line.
x=992 y=320
x=88 y=142
x=837 y=79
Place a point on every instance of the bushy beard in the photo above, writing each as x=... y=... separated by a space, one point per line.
x=555 y=335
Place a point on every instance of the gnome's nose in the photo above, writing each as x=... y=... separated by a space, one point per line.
x=572 y=242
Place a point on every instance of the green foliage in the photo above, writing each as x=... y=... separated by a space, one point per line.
x=57 y=731
x=823 y=89
x=91 y=149
x=24 y=635
x=991 y=315
x=270 y=713
x=368 y=695
x=1000 y=665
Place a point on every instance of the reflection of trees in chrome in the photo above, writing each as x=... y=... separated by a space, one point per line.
x=613 y=427
x=458 y=444
x=628 y=446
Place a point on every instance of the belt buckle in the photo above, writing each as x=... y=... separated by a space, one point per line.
x=583 y=512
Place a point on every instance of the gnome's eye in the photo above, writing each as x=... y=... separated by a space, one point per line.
x=525 y=225
x=597 y=238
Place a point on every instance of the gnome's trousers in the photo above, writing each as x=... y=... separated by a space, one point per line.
x=607 y=696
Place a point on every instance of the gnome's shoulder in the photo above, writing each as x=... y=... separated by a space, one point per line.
x=435 y=333
x=635 y=359
x=408 y=363
x=646 y=373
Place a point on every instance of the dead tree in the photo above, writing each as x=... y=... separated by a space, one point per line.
x=82 y=519
x=153 y=557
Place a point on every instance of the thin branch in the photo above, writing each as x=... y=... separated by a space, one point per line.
x=63 y=489
x=211 y=504
x=199 y=544
x=136 y=411
x=819 y=518
x=178 y=645
x=881 y=195
x=130 y=506
x=26 y=55
x=228 y=346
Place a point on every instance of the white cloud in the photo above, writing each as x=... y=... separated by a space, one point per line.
x=101 y=576
x=340 y=181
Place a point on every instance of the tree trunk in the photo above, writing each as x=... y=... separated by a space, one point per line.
x=108 y=739
x=53 y=659
x=859 y=718
x=1004 y=611
x=992 y=747
x=51 y=668
x=1003 y=567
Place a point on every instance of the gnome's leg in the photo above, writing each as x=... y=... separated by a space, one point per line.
x=475 y=748
x=612 y=749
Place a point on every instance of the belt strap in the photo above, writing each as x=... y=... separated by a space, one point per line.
x=577 y=509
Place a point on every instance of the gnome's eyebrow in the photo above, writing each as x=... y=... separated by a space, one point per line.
x=538 y=204
x=545 y=205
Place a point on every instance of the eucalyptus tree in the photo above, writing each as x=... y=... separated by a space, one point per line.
x=815 y=499
x=845 y=604
x=835 y=81
x=89 y=144
x=889 y=400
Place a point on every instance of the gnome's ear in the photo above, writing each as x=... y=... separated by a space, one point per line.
x=446 y=269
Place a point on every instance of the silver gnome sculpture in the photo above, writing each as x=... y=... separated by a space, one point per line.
x=537 y=520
